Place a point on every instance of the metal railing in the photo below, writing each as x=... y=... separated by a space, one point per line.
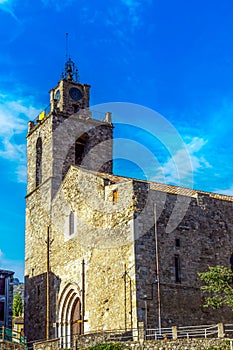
x=86 y=113
x=42 y=114
x=12 y=336
x=203 y=331
x=200 y=331
x=157 y=334
x=228 y=330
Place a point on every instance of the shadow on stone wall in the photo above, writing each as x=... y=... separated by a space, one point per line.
x=35 y=306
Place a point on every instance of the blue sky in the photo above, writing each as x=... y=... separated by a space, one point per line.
x=174 y=57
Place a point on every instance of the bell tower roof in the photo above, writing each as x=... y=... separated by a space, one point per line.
x=70 y=71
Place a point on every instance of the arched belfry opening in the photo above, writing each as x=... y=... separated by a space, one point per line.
x=80 y=148
x=69 y=315
x=38 y=161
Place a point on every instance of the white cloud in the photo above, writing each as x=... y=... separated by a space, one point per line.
x=16 y=266
x=14 y=115
x=176 y=171
x=58 y=5
x=134 y=8
x=8 y=6
x=227 y=192
x=21 y=173
x=124 y=18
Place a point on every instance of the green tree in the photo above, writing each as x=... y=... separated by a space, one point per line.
x=219 y=285
x=106 y=346
x=17 y=305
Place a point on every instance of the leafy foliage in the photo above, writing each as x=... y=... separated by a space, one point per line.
x=219 y=285
x=17 y=305
x=225 y=345
x=106 y=346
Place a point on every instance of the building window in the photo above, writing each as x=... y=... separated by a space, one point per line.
x=80 y=148
x=177 y=242
x=76 y=108
x=177 y=269
x=71 y=223
x=115 y=196
x=2 y=286
x=38 y=161
x=2 y=306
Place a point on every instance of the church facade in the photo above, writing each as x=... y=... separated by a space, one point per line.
x=104 y=252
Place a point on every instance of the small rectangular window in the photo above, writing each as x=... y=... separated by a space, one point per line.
x=177 y=269
x=177 y=242
x=71 y=223
x=115 y=196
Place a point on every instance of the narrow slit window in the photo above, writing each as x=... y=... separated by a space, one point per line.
x=177 y=269
x=115 y=196
x=38 y=161
x=71 y=223
x=177 y=242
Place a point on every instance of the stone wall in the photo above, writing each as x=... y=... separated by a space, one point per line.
x=182 y=344
x=58 y=134
x=47 y=345
x=200 y=239
x=103 y=238
x=6 y=345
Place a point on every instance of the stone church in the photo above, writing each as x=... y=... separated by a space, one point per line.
x=98 y=252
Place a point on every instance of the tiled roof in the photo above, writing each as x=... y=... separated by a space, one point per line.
x=168 y=188
x=188 y=192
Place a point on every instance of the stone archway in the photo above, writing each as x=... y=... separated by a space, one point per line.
x=69 y=312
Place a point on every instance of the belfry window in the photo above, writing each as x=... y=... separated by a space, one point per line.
x=38 y=161
x=80 y=148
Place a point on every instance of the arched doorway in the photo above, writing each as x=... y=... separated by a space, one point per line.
x=76 y=327
x=69 y=313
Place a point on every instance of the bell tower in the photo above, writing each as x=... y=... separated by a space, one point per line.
x=62 y=135
x=65 y=134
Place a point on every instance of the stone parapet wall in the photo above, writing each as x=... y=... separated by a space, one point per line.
x=6 y=345
x=47 y=345
x=181 y=344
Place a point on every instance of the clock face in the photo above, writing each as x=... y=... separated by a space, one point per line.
x=57 y=95
x=75 y=94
